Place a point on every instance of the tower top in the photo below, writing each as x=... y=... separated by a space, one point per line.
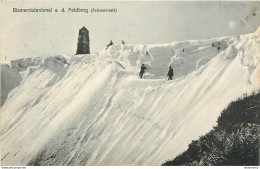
x=84 y=28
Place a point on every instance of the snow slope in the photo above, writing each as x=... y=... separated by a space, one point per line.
x=94 y=110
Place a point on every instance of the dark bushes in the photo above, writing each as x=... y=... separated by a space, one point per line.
x=235 y=141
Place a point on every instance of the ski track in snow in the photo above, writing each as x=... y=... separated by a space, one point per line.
x=94 y=110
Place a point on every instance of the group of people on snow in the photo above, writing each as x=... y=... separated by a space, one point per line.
x=169 y=75
x=143 y=68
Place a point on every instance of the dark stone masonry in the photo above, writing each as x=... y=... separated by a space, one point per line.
x=83 y=41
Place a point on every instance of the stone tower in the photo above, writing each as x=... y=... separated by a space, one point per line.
x=83 y=41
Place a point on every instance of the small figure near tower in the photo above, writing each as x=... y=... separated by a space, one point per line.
x=110 y=44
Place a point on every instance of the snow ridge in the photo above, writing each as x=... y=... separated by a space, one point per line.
x=94 y=110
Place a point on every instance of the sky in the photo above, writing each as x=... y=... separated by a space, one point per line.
x=141 y=22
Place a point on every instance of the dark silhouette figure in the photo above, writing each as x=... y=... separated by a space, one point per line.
x=142 y=71
x=182 y=50
x=170 y=73
x=218 y=49
x=123 y=42
x=147 y=53
x=110 y=44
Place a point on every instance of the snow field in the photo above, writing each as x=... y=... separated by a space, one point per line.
x=94 y=110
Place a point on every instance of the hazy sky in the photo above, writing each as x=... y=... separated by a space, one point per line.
x=48 y=34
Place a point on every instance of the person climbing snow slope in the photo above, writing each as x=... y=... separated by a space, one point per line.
x=170 y=73
x=142 y=71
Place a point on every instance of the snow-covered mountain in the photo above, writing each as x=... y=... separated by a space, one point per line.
x=94 y=109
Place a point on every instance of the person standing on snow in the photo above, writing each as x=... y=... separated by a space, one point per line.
x=142 y=70
x=123 y=42
x=110 y=44
x=170 y=73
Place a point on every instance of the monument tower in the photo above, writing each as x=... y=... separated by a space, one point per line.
x=83 y=41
